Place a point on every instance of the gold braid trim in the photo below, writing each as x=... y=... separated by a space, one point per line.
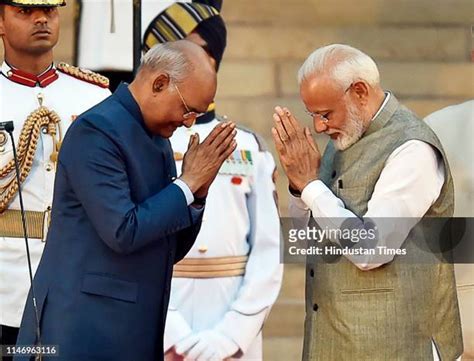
x=83 y=74
x=27 y=144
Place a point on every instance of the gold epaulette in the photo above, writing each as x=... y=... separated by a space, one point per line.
x=83 y=74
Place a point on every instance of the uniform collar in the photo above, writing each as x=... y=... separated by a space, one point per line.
x=206 y=118
x=28 y=79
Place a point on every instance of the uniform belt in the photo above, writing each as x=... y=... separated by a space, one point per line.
x=210 y=267
x=12 y=226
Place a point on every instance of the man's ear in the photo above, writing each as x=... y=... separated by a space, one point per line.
x=161 y=82
x=361 y=91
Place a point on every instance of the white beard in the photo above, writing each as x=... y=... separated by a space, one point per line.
x=353 y=130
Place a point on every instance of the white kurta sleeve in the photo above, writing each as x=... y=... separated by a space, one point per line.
x=408 y=185
x=263 y=275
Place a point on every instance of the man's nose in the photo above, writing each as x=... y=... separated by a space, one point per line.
x=40 y=17
x=319 y=125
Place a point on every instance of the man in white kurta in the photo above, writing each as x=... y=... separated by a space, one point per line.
x=454 y=126
x=346 y=102
x=56 y=88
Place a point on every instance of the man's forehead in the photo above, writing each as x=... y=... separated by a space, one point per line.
x=319 y=88
x=319 y=82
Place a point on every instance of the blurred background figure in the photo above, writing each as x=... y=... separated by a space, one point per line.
x=454 y=126
x=104 y=40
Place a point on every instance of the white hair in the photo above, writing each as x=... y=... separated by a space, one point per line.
x=167 y=58
x=343 y=63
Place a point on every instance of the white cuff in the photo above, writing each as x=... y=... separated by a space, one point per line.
x=312 y=191
x=187 y=192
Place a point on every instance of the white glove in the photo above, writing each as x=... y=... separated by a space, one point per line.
x=208 y=345
x=184 y=345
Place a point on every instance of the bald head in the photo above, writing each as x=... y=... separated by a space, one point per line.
x=179 y=59
x=175 y=81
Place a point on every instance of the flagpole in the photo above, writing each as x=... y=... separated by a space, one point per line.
x=137 y=34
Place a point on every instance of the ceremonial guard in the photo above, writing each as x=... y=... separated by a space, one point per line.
x=223 y=290
x=42 y=99
x=106 y=26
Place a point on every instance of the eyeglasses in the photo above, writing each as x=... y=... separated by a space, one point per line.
x=324 y=118
x=189 y=114
x=320 y=116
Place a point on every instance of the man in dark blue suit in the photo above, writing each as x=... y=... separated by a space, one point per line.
x=120 y=217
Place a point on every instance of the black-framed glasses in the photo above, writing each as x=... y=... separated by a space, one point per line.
x=323 y=118
x=189 y=114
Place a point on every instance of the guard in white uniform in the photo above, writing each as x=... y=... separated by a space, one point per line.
x=42 y=106
x=454 y=125
x=223 y=290
x=227 y=283
x=104 y=35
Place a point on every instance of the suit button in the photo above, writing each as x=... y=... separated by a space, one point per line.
x=311 y=272
x=333 y=175
x=315 y=307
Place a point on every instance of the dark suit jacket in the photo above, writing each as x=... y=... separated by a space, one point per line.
x=118 y=226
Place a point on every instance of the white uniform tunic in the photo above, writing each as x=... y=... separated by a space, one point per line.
x=106 y=32
x=454 y=125
x=239 y=219
x=68 y=97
